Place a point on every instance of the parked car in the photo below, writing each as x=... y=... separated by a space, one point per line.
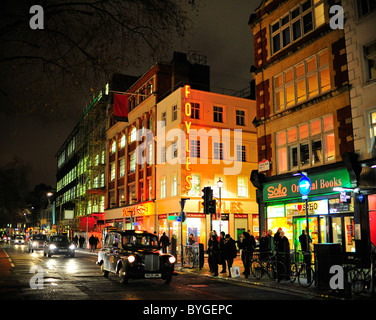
x=36 y=242
x=59 y=245
x=135 y=254
x=19 y=240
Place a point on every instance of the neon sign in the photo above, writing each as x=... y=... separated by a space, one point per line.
x=188 y=112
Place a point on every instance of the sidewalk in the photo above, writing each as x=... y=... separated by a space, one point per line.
x=265 y=281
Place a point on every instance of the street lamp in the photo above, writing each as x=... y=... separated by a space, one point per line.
x=220 y=185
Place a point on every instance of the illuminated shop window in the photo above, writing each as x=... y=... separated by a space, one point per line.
x=303 y=81
x=307 y=145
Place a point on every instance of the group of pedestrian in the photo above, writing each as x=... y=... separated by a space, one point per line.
x=221 y=252
x=80 y=242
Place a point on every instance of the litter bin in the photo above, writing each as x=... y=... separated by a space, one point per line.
x=201 y=255
x=326 y=255
x=173 y=247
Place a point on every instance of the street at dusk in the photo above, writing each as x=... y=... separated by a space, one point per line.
x=188 y=158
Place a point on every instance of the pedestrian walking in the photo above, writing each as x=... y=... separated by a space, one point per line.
x=271 y=242
x=222 y=260
x=92 y=243
x=165 y=242
x=81 y=241
x=230 y=252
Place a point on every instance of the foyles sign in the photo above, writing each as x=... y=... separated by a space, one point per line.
x=321 y=183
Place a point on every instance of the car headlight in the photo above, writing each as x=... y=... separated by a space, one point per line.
x=131 y=259
x=172 y=259
x=35 y=244
x=52 y=247
x=72 y=247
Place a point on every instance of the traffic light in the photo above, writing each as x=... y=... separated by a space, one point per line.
x=208 y=196
x=212 y=208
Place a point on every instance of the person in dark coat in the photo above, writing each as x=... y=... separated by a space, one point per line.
x=303 y=241
x=92 y=243
x=81 y=241
x=264 y=246
x=284 y=255
x=213 y=252
x=165 y=242
x=229 y=252
x=222 y=260
x=277 y=237
x=247 y=244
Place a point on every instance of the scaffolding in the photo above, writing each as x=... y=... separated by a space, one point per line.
x=90 y=184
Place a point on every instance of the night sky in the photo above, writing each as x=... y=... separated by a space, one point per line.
x=220 y=31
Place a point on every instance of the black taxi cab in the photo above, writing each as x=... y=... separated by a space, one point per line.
x=134 y=254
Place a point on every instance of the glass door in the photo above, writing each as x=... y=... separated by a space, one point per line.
x=337 y=230
x=300 y=225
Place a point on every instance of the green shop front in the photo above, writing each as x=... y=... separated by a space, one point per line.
x=330 y=212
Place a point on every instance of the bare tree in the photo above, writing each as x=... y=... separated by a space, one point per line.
x=81 y=44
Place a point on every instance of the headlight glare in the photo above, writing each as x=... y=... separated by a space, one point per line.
x=52 y=247
x=72 y=247
x=172 y=259
x=131 y=259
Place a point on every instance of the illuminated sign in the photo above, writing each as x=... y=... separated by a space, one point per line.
x=304 y=185
x=320 y=183
x=188 y=112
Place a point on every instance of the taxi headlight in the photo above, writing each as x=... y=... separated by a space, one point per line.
x=72 y=247
x=52 y=247
x=172 y=259
x=131 y=259
x=35 y=244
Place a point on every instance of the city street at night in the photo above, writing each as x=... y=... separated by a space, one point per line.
x=79 y=278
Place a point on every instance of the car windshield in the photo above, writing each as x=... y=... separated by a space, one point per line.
x=59 y=239
x=141 y=240
x=19 y=238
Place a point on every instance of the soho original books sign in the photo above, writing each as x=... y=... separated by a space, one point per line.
x=321 y=183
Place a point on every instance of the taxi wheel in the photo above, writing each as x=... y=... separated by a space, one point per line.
x=123 y=275
x=104 y=272
x=167 y=280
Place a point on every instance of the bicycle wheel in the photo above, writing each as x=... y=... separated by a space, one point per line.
x=281 y=271
x=293 y=272
x=306 y=276
x=270 y=270
x=357 y=282
x=256 y=269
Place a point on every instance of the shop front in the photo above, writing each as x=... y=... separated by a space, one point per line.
x=134 y=217
x=330 y=212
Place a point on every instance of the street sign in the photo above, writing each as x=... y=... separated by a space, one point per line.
x=304 y=185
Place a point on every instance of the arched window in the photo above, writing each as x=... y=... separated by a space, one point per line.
x=113 y=146
x=122 y=141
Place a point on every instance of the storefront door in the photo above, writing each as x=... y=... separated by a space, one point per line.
x=300 y=225
x=343 y=232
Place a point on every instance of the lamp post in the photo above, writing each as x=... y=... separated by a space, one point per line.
x=220 y=185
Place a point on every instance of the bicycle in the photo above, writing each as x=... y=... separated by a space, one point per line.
x=362 y=279
x=303 y=272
